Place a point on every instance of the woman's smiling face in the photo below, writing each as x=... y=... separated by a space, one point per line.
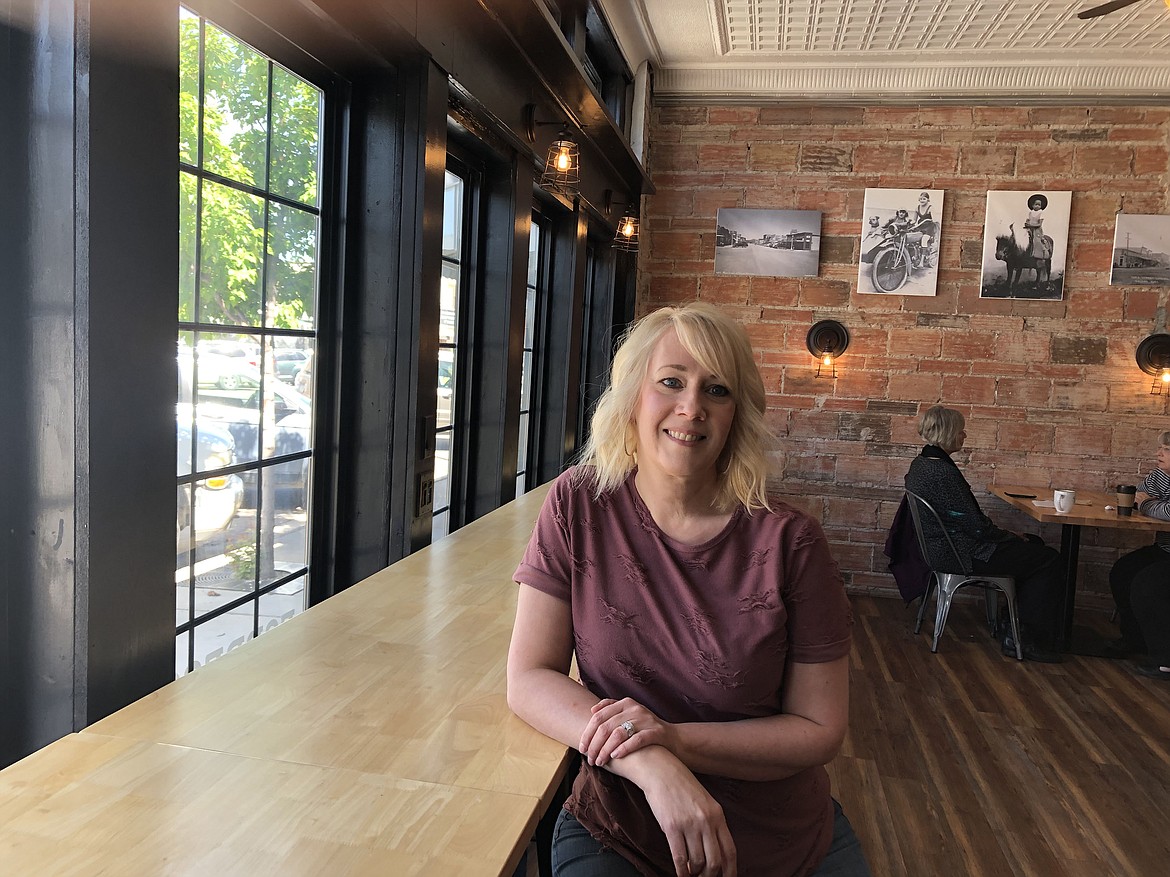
x=684 y=414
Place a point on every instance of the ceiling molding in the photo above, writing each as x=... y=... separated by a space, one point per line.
x=885 y=82
x=901 y=50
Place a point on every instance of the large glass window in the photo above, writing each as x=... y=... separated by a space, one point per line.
x=452 y=284
x=249 y=170
x=534 y=315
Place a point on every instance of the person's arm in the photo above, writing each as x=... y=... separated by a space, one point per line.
x=1154 y=499
x=541 y=693
x=807 y=733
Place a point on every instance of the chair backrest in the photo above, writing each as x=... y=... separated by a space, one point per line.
x=919 y=506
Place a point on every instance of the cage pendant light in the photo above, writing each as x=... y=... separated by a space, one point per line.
x=562 y=167
x=626 y=236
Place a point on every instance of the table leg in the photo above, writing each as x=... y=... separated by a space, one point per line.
x=1070 y=546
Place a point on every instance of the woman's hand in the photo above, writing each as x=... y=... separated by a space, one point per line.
x=605 y=736
x=693 y=822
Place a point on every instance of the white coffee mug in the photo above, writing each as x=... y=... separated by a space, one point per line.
x=1064 y=500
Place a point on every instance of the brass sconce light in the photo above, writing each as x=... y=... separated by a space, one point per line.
x=1153 y=357
x=826 y=341
x=562 y=164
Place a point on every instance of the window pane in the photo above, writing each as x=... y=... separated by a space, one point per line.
x=449 y=303
x=235 y=110
x=530 y=317
x=296 y=124
x=442 y=462
x=522 y=456
x=526 y=381
x=445 y=391
x=452 y=216
x=229 y=568
x=230 y=256
x=439 y=526
x=188 y=211
x=217 y=637
x=182 y=644
x=277 y=607
x=284 y=544
x=188 y=87
x=533 y=254
x=292 y=267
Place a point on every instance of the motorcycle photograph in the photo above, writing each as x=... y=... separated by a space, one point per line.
x=895 y=253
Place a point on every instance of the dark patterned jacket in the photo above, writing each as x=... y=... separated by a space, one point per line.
x=934 y=476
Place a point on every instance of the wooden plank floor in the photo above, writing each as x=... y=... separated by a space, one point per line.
x=965 y=762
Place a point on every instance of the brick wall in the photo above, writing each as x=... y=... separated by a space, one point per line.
x=1047 y=387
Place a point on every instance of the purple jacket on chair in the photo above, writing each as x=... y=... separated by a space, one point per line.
x=910 y=571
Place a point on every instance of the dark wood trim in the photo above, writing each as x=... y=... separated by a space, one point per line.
x=562 y=356
x=499 y=345
x=420 y=273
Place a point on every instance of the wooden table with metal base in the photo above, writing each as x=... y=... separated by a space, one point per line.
x=1088 y=511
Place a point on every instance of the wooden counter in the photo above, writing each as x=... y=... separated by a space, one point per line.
x=395 y=685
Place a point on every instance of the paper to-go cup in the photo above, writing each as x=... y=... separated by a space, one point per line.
x=1125 y=498
x=1064 y=500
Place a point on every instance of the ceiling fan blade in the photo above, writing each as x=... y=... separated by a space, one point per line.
x=1106 y=8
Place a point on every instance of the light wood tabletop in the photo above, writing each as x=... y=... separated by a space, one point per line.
x=403 y=674
x=370 y=734
x=1088 y=511
x=90 y=804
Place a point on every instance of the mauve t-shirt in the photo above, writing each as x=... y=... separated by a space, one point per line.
x=696 y=633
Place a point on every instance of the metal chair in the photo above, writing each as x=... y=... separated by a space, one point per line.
x=948 y=575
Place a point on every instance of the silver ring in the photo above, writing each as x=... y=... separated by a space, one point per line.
x=628 y=727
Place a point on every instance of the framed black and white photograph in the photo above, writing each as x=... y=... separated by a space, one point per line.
x=1025 y=245
x=1141 y=251
x=768 y=243
x=899 y=242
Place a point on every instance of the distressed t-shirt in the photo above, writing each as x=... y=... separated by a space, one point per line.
x=696 y=633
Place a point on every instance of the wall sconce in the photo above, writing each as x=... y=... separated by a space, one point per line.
x=826 y=341
x=1153 y=357
x=626 y=235
x=562 y=165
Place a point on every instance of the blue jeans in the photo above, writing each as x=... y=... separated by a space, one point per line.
x=576 y=854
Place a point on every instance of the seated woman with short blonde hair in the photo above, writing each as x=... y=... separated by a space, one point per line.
x=984 y=547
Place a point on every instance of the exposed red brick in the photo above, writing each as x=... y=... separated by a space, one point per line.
x=998 y=160
x=1150 y=160
x=1141 y=304
x=1112 y=160
x=716 y=156
x=732 y=115
x=774 y=156
x=1029 y=417
x=1044 y=159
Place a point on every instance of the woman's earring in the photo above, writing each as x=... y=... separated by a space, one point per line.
x=626 y=446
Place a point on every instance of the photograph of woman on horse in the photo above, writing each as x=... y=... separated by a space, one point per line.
x=1025 y=243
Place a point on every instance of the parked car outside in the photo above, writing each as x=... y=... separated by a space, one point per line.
x=290 y=432
x=217 y=497
x=225 y=372
x=288 y=363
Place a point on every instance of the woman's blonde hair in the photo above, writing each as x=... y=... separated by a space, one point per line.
x=941 y=426
x=720 y=345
